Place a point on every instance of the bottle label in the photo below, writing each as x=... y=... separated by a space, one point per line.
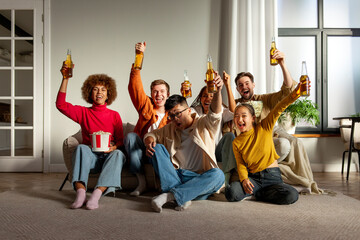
x=186 y=89
x=138 y=60
x=273 y=61
x=304 y=86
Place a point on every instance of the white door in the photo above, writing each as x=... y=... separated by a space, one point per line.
x=21 y=86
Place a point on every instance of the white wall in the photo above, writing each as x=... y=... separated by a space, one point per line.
x=325 y=154
x=102 y=36
x=179 y=35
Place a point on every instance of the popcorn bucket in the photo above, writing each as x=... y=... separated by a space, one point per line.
x=100 y=141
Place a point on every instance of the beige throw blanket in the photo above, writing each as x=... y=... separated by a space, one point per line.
x=295 y=168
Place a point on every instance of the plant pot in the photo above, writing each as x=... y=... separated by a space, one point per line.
x=287 y=124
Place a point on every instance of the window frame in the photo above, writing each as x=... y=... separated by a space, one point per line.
x=321 y=35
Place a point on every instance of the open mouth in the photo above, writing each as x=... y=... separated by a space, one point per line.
x=206 y=104
x=178 y=124
x=158 y=100
x=241 y=126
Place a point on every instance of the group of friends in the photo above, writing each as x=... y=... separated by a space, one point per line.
x=184 y=143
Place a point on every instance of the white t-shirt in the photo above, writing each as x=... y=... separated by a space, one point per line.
x=189 y=154
x=156 y=125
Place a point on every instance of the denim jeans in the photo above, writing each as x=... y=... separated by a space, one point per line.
x=224 y=153
x=109 y=165
x=135 y=150
x=268 y=187
x=184 y=184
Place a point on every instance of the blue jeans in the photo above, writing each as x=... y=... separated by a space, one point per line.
x=224 y=153
x=109 y=165
x=135 y=150
x=184 y=184
x=268 y=187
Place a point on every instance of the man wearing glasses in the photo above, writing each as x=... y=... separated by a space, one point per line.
x=183 y=152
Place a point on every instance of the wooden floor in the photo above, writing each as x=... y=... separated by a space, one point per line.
x=18 y=181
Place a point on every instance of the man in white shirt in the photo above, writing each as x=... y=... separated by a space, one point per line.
x=183 y=152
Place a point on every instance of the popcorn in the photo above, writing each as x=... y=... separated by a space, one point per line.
x=100 y=141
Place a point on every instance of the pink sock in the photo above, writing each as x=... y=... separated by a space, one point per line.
x=80 y=199
x=93 y=202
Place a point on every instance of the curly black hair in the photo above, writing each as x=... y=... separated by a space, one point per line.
x=99 y=79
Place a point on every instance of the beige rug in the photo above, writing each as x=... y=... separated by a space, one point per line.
x=45 y=215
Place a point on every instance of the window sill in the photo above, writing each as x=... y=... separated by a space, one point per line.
x=311 y=135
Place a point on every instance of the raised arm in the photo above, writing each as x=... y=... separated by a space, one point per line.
x=216 y=103
x=135 y=86
x=280 y=56
x=65 y=78
x=231 y=99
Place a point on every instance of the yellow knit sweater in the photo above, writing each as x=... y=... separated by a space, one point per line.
x=254 y=150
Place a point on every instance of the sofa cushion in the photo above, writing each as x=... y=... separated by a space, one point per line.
x=69 y=146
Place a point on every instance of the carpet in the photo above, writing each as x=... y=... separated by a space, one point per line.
x=45 y=215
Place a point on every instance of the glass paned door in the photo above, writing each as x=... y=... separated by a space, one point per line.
x=21 y=89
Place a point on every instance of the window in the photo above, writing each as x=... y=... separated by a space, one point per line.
x=326 y=35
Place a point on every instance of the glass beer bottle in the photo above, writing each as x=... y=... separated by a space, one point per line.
x=210 y=75
x=69 y=64
x=273 y=61
x=304 y=81
x=139 y=57
x=186 y=90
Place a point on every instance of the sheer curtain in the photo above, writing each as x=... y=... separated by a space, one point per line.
x=247 y=27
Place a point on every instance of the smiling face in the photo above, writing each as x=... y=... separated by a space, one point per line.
x=243 y=119
x=99 y=94
x=159 y=94
x=181 y=116
x=205 y=100
x=245 y=87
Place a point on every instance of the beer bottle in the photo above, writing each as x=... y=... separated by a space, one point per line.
x=186 y=90
x=139 y=57
x=273 y=61
x=69 y=64
x=304 y=81
x=210 y=75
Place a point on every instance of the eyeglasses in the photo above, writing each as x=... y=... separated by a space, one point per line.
x=178 y=114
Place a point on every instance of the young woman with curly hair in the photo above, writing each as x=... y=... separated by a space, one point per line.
x=100 y=91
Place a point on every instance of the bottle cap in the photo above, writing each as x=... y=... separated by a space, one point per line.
x=185 y=75
x=209 y=58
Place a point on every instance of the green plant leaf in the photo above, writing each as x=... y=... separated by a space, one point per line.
x=302 y=109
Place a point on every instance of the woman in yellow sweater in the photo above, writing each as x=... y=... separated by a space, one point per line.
x=256 y=157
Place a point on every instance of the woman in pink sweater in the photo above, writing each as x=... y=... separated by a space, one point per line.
x=100 y=91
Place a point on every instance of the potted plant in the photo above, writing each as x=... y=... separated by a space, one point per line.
x=301 y=110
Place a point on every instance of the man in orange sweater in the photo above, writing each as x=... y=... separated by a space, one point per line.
x=152 y=115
